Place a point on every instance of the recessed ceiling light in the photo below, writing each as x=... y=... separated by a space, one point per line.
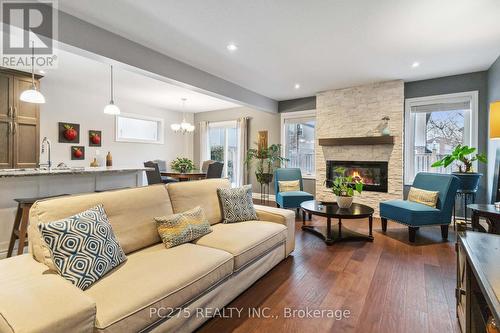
x=415 y=64
x=297 y=86
x=231 y=47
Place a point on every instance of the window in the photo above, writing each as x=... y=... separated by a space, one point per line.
x=139 y=128
x=298 y=137
x=434 y=126
x=223 y=146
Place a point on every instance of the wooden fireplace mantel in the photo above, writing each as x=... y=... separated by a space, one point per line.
x=358 y=141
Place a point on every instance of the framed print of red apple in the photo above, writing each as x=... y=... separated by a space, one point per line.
x=69 y=133
x=95 y=138
x=77 y=152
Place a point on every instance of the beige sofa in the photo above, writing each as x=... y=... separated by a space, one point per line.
x=154 y=282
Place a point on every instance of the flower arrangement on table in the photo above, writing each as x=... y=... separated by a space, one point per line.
x=182 y=165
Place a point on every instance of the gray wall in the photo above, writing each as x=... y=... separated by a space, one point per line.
x=494 y=145
x=259 y=121
x=298 y=104
x=454 y=84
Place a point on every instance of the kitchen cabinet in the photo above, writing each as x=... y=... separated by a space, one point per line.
x=19 y=122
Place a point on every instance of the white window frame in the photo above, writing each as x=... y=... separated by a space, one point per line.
x=226 y=125
x=161 y=128
x=468 y=96
x=298 y=115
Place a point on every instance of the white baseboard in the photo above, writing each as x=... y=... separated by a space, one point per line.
x=256 y=195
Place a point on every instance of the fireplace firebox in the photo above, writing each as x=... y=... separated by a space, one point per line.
x=373 y=174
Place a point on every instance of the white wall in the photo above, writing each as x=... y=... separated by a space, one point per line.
x=84 y=105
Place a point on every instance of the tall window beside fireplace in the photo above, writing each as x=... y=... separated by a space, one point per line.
x=298 y=135
x=434 y=125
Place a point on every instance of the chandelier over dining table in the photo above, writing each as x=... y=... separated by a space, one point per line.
x=184 y=127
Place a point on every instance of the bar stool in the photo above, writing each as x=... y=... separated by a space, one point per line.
x=20 y=229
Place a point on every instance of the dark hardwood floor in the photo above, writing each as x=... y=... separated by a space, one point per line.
x=388 y=285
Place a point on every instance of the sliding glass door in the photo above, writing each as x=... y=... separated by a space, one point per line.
x=223 y=146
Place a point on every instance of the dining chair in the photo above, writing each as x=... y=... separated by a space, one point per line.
x=154 y=176
x=204 y=166
x=214 y=170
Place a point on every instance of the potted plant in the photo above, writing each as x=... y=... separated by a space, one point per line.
x=268 y=159
x=344 y=188
x=463 y=156
x=182 y=165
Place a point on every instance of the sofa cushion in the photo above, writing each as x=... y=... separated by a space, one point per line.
x=293 y=199
x=186 y=195
x=183 y=227
x=130 y=213
x=246 y=241
x=410 y=213
x=83 y=246
x=237 y=204
x=156 y=277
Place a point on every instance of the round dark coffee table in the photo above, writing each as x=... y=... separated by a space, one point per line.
x=332 y=210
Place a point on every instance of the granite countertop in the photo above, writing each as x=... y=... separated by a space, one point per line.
x=4 y=173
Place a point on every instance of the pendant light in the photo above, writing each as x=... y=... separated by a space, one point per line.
x=32 y=95
x=184 y=127
x=111 y=108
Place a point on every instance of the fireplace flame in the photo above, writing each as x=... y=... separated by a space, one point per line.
x=357 y=176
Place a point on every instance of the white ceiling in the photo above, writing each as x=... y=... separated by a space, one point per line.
x=78 y=71
x=321 y=44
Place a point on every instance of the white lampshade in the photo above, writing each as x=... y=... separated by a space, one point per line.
x=175 y=127
x=185 y=125
x=191 y=128
x=32 y=96
x=111 y=109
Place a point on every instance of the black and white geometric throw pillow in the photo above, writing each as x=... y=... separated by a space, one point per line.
x=83 y=246
x=237 y=204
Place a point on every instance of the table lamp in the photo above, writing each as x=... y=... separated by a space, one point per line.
x=495 y=120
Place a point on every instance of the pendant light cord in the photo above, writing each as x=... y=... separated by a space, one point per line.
x=112 y=94
x=33 y=64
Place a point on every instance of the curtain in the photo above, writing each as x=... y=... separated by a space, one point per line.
x=240 y=170
x=203 y=127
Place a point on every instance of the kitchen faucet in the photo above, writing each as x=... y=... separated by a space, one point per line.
x=46 y=141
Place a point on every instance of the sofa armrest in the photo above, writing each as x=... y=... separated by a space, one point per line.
x=281 y=216
x=34 y=300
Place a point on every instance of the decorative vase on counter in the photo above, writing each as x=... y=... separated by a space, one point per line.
x=344 y=201
x=109 y=159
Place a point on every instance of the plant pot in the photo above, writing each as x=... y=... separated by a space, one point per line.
x=183 y=169
x=264 y=178
x=469 y=181
x=344 y=202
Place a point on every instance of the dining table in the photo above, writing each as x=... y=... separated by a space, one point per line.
x=185 y=176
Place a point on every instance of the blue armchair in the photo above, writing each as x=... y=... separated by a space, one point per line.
x=291 y=199
x=416 y=215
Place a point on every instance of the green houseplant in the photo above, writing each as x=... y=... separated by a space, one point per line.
x=182 y=165
x=344 y=188
x=266 y=160
x=463 y=156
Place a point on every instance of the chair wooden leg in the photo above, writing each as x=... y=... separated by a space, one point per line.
x=23 y=228
x=303 y=217
x=310 y=216
x=384 y=224
x=412 y=233
x=13 y=236
x=444 y=232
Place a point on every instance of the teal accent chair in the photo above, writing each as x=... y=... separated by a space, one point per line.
x=291 y=199
x=416 y=215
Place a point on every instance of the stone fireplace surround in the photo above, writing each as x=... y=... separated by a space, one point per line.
x=357 y=112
